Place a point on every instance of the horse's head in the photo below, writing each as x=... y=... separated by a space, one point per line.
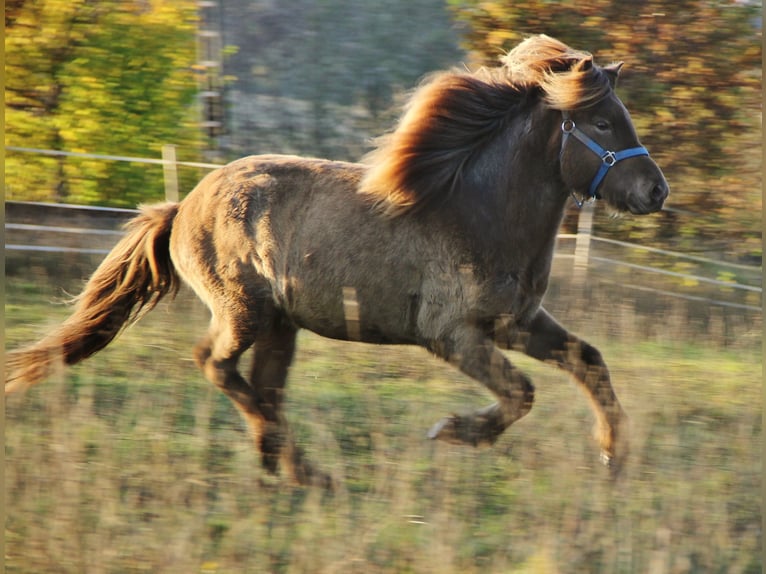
x=601 y=156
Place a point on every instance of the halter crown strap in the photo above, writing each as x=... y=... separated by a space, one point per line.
x=608 y=158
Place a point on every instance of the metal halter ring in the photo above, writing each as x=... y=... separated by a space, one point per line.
x=609 y=158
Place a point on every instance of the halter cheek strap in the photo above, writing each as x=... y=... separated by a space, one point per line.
x=608 y=158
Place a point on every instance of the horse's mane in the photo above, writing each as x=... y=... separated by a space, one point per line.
x=453 y=114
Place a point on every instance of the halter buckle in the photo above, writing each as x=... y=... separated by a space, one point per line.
x=567 y=126
x=609 y=158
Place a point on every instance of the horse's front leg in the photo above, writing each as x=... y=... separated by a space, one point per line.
x=474 y=353
x=546 y=340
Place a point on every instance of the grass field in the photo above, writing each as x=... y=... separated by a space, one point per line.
x=131 y=462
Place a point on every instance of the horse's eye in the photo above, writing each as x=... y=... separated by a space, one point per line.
x=602 y=125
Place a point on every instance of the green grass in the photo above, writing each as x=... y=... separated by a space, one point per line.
x=131 y=462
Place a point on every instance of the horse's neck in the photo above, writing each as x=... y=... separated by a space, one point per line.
x=515 y=194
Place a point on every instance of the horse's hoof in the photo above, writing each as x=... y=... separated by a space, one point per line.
x=437 y=429
x=470 y=430
x=269 y=481
x=315 y=478
x=448 y=430
x=308 y=475
x=613 y=463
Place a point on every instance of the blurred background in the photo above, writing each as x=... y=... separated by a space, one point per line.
x=131 y=463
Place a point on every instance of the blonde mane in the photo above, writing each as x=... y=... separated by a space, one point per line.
x=453 y=114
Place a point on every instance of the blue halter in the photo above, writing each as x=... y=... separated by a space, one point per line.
x=608 y=158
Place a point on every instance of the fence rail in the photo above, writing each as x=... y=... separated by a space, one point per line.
x=149 y=160
x=728 y=284
x=677 y=255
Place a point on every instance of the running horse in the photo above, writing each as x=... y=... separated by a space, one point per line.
x=442 y=237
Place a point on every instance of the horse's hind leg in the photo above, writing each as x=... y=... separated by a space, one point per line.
x=272 y=354
x=260 y=400
x=469 y=349
x=217 y=356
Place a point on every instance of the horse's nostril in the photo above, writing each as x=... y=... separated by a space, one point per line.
x=660 y=192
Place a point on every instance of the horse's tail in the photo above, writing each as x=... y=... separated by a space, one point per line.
x=132 y=279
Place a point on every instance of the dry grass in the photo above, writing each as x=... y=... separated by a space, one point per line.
x=131 y=463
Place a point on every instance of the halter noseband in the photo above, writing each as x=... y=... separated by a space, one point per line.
x=608 y=158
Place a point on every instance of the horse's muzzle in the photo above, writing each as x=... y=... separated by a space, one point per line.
x=650 y=200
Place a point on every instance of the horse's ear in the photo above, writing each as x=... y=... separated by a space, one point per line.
x=583 y=65
x=612 y=71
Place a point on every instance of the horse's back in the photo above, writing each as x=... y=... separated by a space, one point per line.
x=293 y=235
x=231 y=215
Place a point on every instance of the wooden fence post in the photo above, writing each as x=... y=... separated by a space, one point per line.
x=170 y=172
x=582 y=242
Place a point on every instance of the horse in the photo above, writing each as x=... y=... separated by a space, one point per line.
x=442 y=237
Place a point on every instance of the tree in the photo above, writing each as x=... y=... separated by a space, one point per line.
x=109 y=77
x=692 y=80
x=320 y=78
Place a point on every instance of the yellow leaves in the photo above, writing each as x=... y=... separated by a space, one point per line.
x=104 y=77
x=500 y=37
x=664 y=115
x=495 y=10
x=594 y=21
x=687 y=269
x=495 y=18
x=727 y=277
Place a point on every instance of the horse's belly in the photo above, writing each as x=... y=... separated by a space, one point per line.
x=354 y=313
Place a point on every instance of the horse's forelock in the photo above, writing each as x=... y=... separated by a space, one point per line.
x=568 y=78
x=575 y=88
